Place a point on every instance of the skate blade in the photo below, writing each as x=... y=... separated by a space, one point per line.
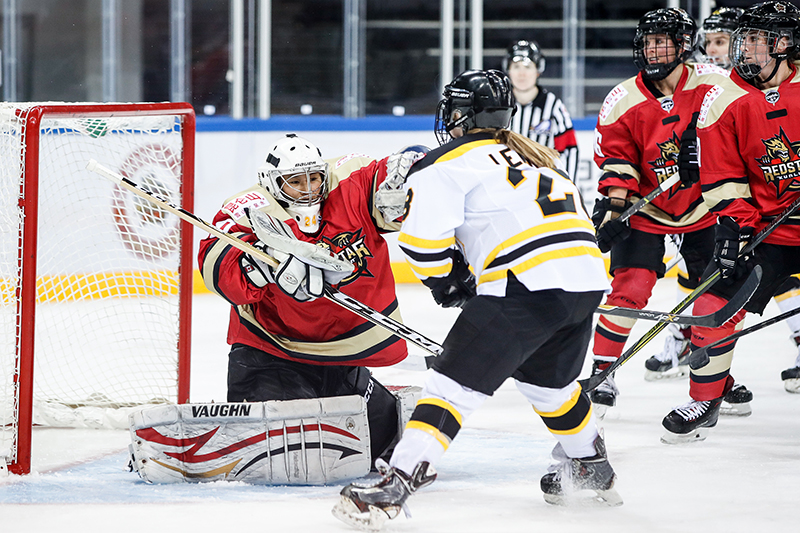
x=792 y=385
x=586 y=498
x=672 y=373
x=697 y=435
x=735 y=409
x=347 y=512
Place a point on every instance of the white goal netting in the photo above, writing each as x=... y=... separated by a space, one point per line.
x=107 y=265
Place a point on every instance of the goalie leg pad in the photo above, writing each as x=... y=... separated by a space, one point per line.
x=294 y=442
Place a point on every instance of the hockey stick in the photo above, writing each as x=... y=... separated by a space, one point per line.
x=593 y=381
x=332 y=294
x=699 y=357
x=712 y=320
x=649 y=197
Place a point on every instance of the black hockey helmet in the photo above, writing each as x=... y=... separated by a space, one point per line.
x=765 y=25
x=482 y=97
x=673 y=22
x=524 y=51
x=723 y=20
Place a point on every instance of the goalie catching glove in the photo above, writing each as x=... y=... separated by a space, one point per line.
x=455 y=289
x=303 y=268
x=610 y=230
x=390 y=198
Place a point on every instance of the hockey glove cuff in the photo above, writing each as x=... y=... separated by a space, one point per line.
x=455 y=289
x=610 y=230
x=729 y=239
x=689 y=155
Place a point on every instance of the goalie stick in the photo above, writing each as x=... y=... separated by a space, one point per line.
x=711 y=320
x=332 y=294
x=593 y=381
x=699 y=357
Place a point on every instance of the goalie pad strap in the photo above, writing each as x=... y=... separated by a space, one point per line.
x=295 y=442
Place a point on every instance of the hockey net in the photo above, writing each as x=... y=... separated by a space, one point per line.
x=95 y=282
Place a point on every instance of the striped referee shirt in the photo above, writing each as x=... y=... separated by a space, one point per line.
x=546 y=121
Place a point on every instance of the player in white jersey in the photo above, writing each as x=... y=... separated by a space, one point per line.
x=495 y=197
x=540 y=114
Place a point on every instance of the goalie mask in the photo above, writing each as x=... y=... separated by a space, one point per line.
x=295 y=175
x=714 y=37
x=474 y=99
x=766 y=31
x=525 y=51
x=680 y=30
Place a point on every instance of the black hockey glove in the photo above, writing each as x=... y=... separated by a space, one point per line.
x=610 y=230
x=689 y=155
x=455 y=289
x=729 y=238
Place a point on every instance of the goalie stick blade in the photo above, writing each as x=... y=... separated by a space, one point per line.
x=712 y=320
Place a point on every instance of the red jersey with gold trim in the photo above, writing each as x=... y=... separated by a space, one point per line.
x=750 y=153
x=637 y=140
x=318 y=332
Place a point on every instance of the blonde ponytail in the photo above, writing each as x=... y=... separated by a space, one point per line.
x=532 y=152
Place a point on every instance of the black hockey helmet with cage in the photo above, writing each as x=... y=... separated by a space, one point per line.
x=766 y=25
x=722 y=20
x=483 y=99
x=678 y=26
x=524 y=50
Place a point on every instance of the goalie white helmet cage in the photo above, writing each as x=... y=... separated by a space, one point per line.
x=294 y=156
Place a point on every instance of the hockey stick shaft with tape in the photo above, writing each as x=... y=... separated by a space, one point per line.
x=649 y=197
x=592 y=382
x=331 y=293
x=711 y=320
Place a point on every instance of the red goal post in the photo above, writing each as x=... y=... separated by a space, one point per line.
x=95 y=283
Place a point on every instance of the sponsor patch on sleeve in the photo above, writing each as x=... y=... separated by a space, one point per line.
x=613 y=98
x=253 y=200
x=704 y=68
x=349 y=157
x=713 y=93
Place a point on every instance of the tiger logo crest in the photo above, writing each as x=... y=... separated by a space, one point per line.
x=666 y=166
x=350 y=246
x=780 y=163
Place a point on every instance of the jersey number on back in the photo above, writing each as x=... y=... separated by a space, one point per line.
x=548 y=205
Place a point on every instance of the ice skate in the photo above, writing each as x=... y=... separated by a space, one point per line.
x=737 y=402
x=690 y=422
x=571 y=481
x=673 y=361
x=605 y=395
x=368 y=507
x=791 y=376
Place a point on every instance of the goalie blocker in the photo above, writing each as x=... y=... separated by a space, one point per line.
x=294 y=442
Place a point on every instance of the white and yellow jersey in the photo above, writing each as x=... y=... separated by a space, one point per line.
x=479 y=195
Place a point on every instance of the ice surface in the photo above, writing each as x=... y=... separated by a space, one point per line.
x=743 y=478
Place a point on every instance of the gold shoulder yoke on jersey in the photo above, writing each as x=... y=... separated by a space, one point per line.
x=717 y=100
x=714 y=76
x=629 y=97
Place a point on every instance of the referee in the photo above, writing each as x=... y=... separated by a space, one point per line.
x=540 y=114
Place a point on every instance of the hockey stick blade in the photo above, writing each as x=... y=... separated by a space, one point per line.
x=332 y=294
x=699 y=357
x=592 y=382
x=711 y=320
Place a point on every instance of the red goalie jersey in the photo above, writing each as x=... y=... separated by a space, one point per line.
x=750 y=153
x=318 y=332
x=637 y=142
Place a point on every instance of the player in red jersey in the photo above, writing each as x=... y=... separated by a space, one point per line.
x=285 y=343
x=637 y=146
x=746 y=187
